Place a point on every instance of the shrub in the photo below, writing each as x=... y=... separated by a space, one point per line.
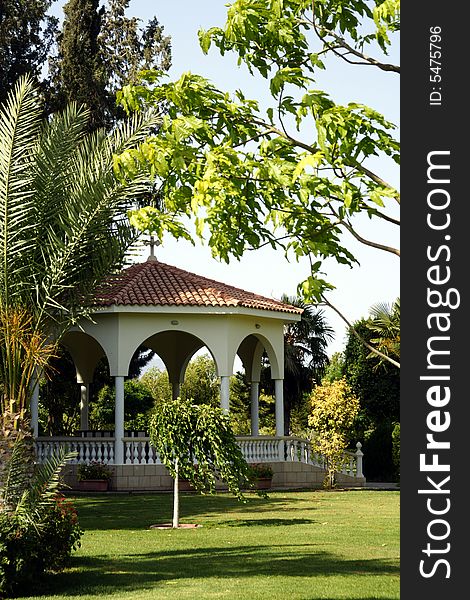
x=38 y=526
x=20 y=562
x=28 y=548
x=94 y=470
x=260 y=471
x=334 y=409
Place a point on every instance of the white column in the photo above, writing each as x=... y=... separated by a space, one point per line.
x=254 y=393
x=279 y=397
x=35 y=407
x=225 y=393
x=119 y=421
x=175 y=390
x=84 y=395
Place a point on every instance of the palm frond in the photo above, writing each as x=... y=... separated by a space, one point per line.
x=19 y=124
x=17 y=474
x=385 y=323
x=44 y=487
x=85 y=230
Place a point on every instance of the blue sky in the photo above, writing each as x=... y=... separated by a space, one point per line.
x=265 y=271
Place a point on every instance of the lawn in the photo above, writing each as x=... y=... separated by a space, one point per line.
x=292 y=545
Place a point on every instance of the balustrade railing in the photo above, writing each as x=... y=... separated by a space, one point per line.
x=86 y=449
x=139 y=451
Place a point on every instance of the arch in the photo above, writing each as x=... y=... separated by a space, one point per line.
x=250 y=351
x=85 y=351
x=176 y=348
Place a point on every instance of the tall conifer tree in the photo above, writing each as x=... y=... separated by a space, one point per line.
x=26 y=36
x=78 y=71
x=99 y=51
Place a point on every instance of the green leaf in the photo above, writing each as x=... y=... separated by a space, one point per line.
x=205 y=40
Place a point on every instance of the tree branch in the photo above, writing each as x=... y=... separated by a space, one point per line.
x=304 y=146
x=358 y=336
x=368 y=60
x=370 y=243
x=381 y=214
x=347 y=225
x=372 y=176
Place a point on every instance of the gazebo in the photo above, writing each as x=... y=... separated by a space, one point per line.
x=176 y=313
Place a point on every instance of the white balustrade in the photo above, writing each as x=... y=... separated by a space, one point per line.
x=86 y=449
x=261 y=449
x=139 y=451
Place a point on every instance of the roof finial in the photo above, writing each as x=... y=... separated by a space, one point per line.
x=152 y=243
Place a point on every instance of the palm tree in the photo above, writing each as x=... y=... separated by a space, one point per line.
x=306 y=340
x=63 y=227
x=385 y=323
x=305 y=356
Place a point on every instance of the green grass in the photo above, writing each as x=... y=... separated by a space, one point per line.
x=292 y=545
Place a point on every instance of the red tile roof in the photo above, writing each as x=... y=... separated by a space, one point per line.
x=153 y=283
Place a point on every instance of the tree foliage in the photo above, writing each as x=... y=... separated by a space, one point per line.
x=335 y=368
x=305 y=357
x=377 y=384
x=334 y=409
x=128 y=48
x=296 y=176
x=378 y=388
x=99 y=51
x=79 y=72
x=200 y=382
x=385 y=323
x=59 y=397
x=27 y=34
x=138 y=404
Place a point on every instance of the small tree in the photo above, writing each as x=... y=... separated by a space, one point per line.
x=334 y=408
x=197 y=443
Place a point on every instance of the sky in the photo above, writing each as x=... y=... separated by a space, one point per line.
x=266 y=271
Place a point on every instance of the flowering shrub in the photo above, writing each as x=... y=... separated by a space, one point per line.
x=94 y=470
x=60 y=533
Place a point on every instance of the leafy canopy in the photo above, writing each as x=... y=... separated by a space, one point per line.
x=294 y=177
x=27 y=35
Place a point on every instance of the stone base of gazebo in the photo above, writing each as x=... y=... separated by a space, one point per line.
x=154 y=478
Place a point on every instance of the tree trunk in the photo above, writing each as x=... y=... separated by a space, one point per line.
x=176 y=500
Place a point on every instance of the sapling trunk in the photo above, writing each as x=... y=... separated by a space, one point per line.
x=176 y=500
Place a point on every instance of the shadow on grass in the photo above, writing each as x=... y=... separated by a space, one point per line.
x=106 y=576
x=131 y=512
x=260 y=522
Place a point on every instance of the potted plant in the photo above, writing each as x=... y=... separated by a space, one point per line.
x=262 y=475
x=94 y=477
